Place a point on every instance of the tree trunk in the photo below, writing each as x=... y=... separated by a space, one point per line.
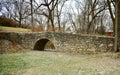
x=52 y=22
x=31 y=3
x=111 y=14
x=58 y=18
x=117 y=26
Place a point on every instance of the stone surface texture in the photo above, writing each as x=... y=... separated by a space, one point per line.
x=61 y=41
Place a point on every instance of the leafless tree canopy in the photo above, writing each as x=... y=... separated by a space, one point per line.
x=79 y=16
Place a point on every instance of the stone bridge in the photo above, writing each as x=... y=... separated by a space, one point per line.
x=57 y=41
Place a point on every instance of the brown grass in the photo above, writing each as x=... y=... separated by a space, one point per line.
x=13 y=29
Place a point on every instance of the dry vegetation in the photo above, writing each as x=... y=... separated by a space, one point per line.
x=37 y=28
x=9 y=25
x=8 y=22
x=54 y=63
x=13 y=29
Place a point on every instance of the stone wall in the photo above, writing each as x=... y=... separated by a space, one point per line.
x=61 y=41
x=77 y=42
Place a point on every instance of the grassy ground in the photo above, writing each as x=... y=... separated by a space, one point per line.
x=54 y=63
x=13 y=29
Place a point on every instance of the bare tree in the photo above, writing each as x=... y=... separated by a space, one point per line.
x=96 y=7
x=59 y=8
x=16 y=10
x=31 y=4
x=8 y=7
x=117 y=26
x=87 y=15
x=48 y=7
x=110 y=7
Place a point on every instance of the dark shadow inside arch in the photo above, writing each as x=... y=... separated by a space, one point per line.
x=44 y=44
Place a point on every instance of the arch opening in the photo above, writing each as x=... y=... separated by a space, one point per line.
x=44 y=44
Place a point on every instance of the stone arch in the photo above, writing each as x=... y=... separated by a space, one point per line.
x=43 y=44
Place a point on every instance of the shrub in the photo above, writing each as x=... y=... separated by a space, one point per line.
x=8 y=22
x=37 y=28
